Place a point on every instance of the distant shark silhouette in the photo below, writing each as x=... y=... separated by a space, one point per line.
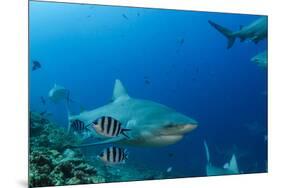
x=151 y=124
x=260 y=59
x=228 y=168
x=255 y=31
x=58 y=93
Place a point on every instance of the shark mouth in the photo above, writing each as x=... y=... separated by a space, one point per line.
x=169 y=135
x=172 y=129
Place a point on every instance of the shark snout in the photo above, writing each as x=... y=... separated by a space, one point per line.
x=189 y=127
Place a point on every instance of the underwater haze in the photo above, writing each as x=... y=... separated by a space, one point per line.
x=172 y=57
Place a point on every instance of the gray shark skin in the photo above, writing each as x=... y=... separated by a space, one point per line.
x=152 y=124
x=260 y=59
x=256 y=31
x=229 y=168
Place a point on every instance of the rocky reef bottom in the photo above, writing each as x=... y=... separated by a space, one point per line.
x=53 y=164
x=50 y=163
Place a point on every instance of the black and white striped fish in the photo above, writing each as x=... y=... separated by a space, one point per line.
x=78 y=125
x=114 y=155
x=109 y=127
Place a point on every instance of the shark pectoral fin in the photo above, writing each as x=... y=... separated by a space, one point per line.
x=255 y=39
x=108 y=141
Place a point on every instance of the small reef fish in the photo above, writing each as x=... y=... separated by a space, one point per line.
x=255 y=31
x=109 y=127
x=147 y=82
x=181 y=41
x=78 y=125
x=170 y=154
x=125 y=16
x=113 y=155
x=35 y=65
x=260 y=59
x=169 y=169
x=43 y=113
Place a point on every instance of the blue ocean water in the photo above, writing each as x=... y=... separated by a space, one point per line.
x=172 y=57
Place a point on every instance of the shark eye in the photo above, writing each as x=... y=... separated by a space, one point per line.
x=170 y=125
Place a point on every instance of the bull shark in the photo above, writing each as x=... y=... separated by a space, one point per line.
x=151 y=124
x=255 y=31
x=58 y=93
x=229 y=168
x=260 y=59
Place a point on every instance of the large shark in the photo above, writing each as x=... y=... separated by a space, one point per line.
x=151 y=124
x=260 y=59
x=255 y=31
x=229 y=168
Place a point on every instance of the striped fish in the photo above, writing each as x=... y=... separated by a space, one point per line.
x=114 y=155
x=78 y=125
x=109 y=127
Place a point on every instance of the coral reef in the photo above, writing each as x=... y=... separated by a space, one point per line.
x=53 y=164
x=50 y=162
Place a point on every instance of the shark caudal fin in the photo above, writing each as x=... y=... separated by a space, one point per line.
x=232 y=165
x=119 y=91
x=226 y=32
x=207 y=151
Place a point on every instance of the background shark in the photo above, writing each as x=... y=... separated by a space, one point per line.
x=255 y=31
x=228 y=168
x=152 y=124
x=260 y=59
x=58 y=93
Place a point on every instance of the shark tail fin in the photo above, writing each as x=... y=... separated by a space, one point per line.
x=124 y=134
x=226 y=32
x=207 y=151
x=232 y=165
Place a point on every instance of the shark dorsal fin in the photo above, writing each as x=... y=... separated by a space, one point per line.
x=232 y=165
x=119 y=92
x=207 y=151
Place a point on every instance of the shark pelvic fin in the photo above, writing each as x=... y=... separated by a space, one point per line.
x=232 y=165
x=119 y=91
x=124 y=134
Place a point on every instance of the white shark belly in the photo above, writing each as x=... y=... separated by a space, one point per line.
x=153 y=141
